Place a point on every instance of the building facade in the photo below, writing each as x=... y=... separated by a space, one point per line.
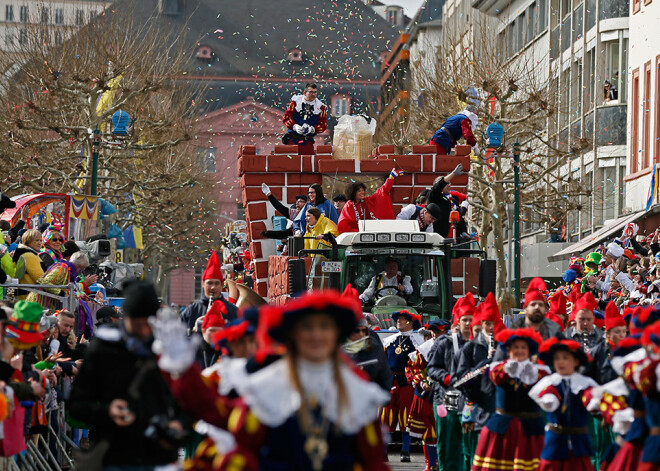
x=59 y=18
x=643 y=76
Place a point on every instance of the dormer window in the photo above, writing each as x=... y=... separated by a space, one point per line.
x=295 y=55
x=340 y=105
x=204 y=53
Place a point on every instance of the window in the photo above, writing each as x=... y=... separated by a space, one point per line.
x=44 y=15
x=656 y=139
x=341 y=105
x=576 y=107
x=591 y=14
x=59 y=16
x=542 y=16
x=646 y=116
x=9 y=39
x=24 y=14
x=578 y=17
x=522 y=26
x=59 y=40
x=634 y=122
x=22 y=37
x=207 y=159
x=80 y=17
x=589 y=78
x=554 y=43
x=9 y=13
x=566 y=33
x=636 y=5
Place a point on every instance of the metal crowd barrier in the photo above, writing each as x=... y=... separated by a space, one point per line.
x=69 y=302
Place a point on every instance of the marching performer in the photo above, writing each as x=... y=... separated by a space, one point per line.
x=564 y=395
x=398 y=348
x=441 y=368
x=421 y=423
x=513 y=436
x=473 y=361
x=309 y=410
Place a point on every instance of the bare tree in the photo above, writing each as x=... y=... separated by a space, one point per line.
x=57 y=95
x=518 y=94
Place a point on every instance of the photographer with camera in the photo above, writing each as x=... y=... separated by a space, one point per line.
x=120 y=392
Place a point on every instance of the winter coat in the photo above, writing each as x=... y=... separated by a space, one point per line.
x=376 y=206
x=33 y=270
x=323 y=226
x=198 y=308
x=117 y=366
x=327 y=209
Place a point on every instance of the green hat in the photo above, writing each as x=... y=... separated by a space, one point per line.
x=594 y=257
x=26 y=332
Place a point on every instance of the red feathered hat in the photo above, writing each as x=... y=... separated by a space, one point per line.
x=613 y=317
x=535 y=291
x=651 y=336
x=275 y=322
x=213 y=269
x=465 y=306
x=214 y=318
x=531 y=336
x=586 y=301
x=416 y=319
x=552 y=345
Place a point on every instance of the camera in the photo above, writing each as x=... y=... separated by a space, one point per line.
x=159 y=429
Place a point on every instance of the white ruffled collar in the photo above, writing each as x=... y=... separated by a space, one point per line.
x=577 y=382
x=619 y=363
x=272 y=398
x=231 y=372
x=300 y=99
x=425 y=348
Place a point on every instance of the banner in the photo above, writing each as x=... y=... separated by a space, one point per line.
x=653 y=190
x=83 y=207
x=133 y=237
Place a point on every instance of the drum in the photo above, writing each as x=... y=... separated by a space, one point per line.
x=452 y=398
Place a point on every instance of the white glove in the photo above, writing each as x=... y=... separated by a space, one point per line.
x=265 y=188
x=528 y=374
x=476 y=150
x=622 y=420
x=549 y=402
x=307 y=129
x=176 y=350
x=298 y=129
x=458 y=170
x=512 y=368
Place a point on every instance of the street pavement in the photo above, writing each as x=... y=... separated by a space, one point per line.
x=416 y=462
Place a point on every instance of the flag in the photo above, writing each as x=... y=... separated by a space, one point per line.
x=133 y=237
x=83 y=207
x=653 y=190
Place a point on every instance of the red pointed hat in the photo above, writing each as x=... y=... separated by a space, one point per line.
x=535 y=291
x=558 y=303
x=586 y=301
x=490 y=311
x=213 y=269
x=613 y=317
x=351 y=292
x=214 y=317
x=476 y=317
x=465 y=306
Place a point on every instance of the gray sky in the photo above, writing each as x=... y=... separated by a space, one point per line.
x=410 y=6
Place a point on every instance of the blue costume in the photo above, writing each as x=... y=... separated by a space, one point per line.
x=456 y=127
x=301 y=112
x=326 y=208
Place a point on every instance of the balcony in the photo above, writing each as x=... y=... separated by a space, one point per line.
x=613 y=9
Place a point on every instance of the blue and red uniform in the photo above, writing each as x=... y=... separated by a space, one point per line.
x=456 y=127
x=303 y=112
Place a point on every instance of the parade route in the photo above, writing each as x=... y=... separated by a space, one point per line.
x=416 y=462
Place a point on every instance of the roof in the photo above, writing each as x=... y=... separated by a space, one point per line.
x=589 y=242
x=252 y=38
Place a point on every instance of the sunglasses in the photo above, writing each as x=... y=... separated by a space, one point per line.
x=57 y=239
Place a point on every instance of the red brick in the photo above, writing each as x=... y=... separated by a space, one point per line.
x=292 y=191
x=405 y=194
x=323 y=149
x=261 y=269
x=428 y=179
x=428 y=163
x=247 y=150
x=301 y=179
x=408 y=163
x=256 y=228
x=462 y=149
x=256 y=211
x=286 y=150
x=252 y=194
x=447 y=163
x=255 y=250
x=252 y=163
x=284 y=163
x=386 y=149
x=424 y=149
x=337 y=166
x=262 y=289
x=307 y=163
x=256 y=179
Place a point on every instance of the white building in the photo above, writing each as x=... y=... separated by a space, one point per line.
x=61 y=17
x=643 y=136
